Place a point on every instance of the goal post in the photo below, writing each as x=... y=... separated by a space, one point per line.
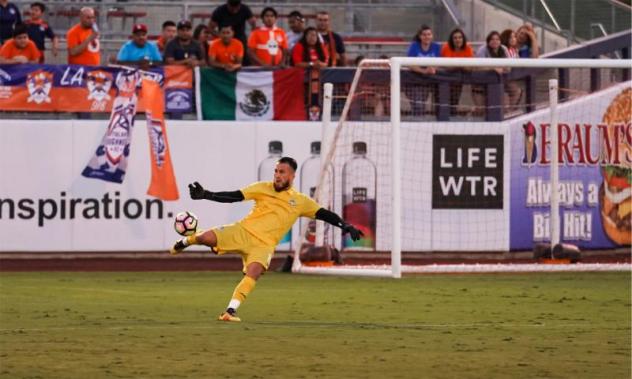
x=555 y=168
x=370 y=126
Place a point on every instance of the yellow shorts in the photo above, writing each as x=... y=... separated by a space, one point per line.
x=233 y=238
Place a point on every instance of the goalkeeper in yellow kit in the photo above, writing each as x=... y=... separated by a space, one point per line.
x=277 y=206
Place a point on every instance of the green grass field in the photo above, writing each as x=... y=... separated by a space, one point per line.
x=146 y=325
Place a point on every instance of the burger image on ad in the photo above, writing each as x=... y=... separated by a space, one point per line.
x=615 y=194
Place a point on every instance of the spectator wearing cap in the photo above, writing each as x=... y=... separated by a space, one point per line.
x=167 y=34
x=333 y=41
x=226 y=52
x=235 y=14
x=9 y=17
x=39 y=30
x=19 y=49
x=267 y=45
x=83 y=40
x=296 y=22
x=138 y=49
x=183 y=49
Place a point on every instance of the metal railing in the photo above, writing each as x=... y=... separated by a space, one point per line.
x=550 y=14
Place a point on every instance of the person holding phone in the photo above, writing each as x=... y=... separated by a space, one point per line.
x=84 y=47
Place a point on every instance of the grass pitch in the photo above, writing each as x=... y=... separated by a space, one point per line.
x=162 y=325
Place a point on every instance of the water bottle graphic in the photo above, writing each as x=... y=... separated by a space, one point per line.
x=359 y=182
x=310 y=172
x=266 y=172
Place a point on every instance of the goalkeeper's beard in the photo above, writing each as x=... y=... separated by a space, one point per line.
x=282 y=186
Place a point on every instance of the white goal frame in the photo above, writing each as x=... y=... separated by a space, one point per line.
x=396 y=64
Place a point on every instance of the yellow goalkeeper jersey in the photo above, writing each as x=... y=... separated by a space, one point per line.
x=275 y=212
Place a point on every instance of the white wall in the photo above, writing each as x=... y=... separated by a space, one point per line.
x=41 y=159
x=482 y=18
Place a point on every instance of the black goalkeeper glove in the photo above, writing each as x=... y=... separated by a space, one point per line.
x=353 y=232
x=196 y=191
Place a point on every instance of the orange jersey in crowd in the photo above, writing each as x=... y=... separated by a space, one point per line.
x=267 y=44
x=297 y=54
x=224 y=54
x=9 y=51
x=91 y=55
x=447 y=52
x=161 y=43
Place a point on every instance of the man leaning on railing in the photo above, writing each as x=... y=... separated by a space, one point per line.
x=139 y=51
x=183 y=50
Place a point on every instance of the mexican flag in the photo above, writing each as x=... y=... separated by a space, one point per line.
x=251 y=95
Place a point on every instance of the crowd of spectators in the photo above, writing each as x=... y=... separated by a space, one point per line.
x=521 y=43
x=224 y=43
x=267 y=44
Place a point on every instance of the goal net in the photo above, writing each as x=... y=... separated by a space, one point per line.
x=433 y=155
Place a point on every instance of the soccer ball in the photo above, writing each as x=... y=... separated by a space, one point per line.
x=185 y=223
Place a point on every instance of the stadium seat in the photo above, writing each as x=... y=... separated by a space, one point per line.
x=70 y=15
x=124 y=15
x=201 y=15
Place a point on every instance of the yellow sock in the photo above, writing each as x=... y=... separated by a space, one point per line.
x=192 y=239
x=244 y=287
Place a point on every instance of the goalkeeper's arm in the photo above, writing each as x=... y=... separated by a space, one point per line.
x=198 y=192
x=333 y=219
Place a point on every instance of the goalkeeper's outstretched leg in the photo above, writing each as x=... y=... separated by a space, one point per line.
x=207 y=238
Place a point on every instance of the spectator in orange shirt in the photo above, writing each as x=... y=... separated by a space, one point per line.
x=309 y=51
x=83 y=40
x=456 y=47
x=267 y=45
x=168 y=33
x=19 y=49
x=226 y=52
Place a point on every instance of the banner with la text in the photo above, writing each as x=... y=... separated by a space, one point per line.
x=73 y=88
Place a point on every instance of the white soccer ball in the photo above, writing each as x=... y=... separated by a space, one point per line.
x=185 y=223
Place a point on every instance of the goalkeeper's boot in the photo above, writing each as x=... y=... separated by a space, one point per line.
x=229 y=315
x=178 y=247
